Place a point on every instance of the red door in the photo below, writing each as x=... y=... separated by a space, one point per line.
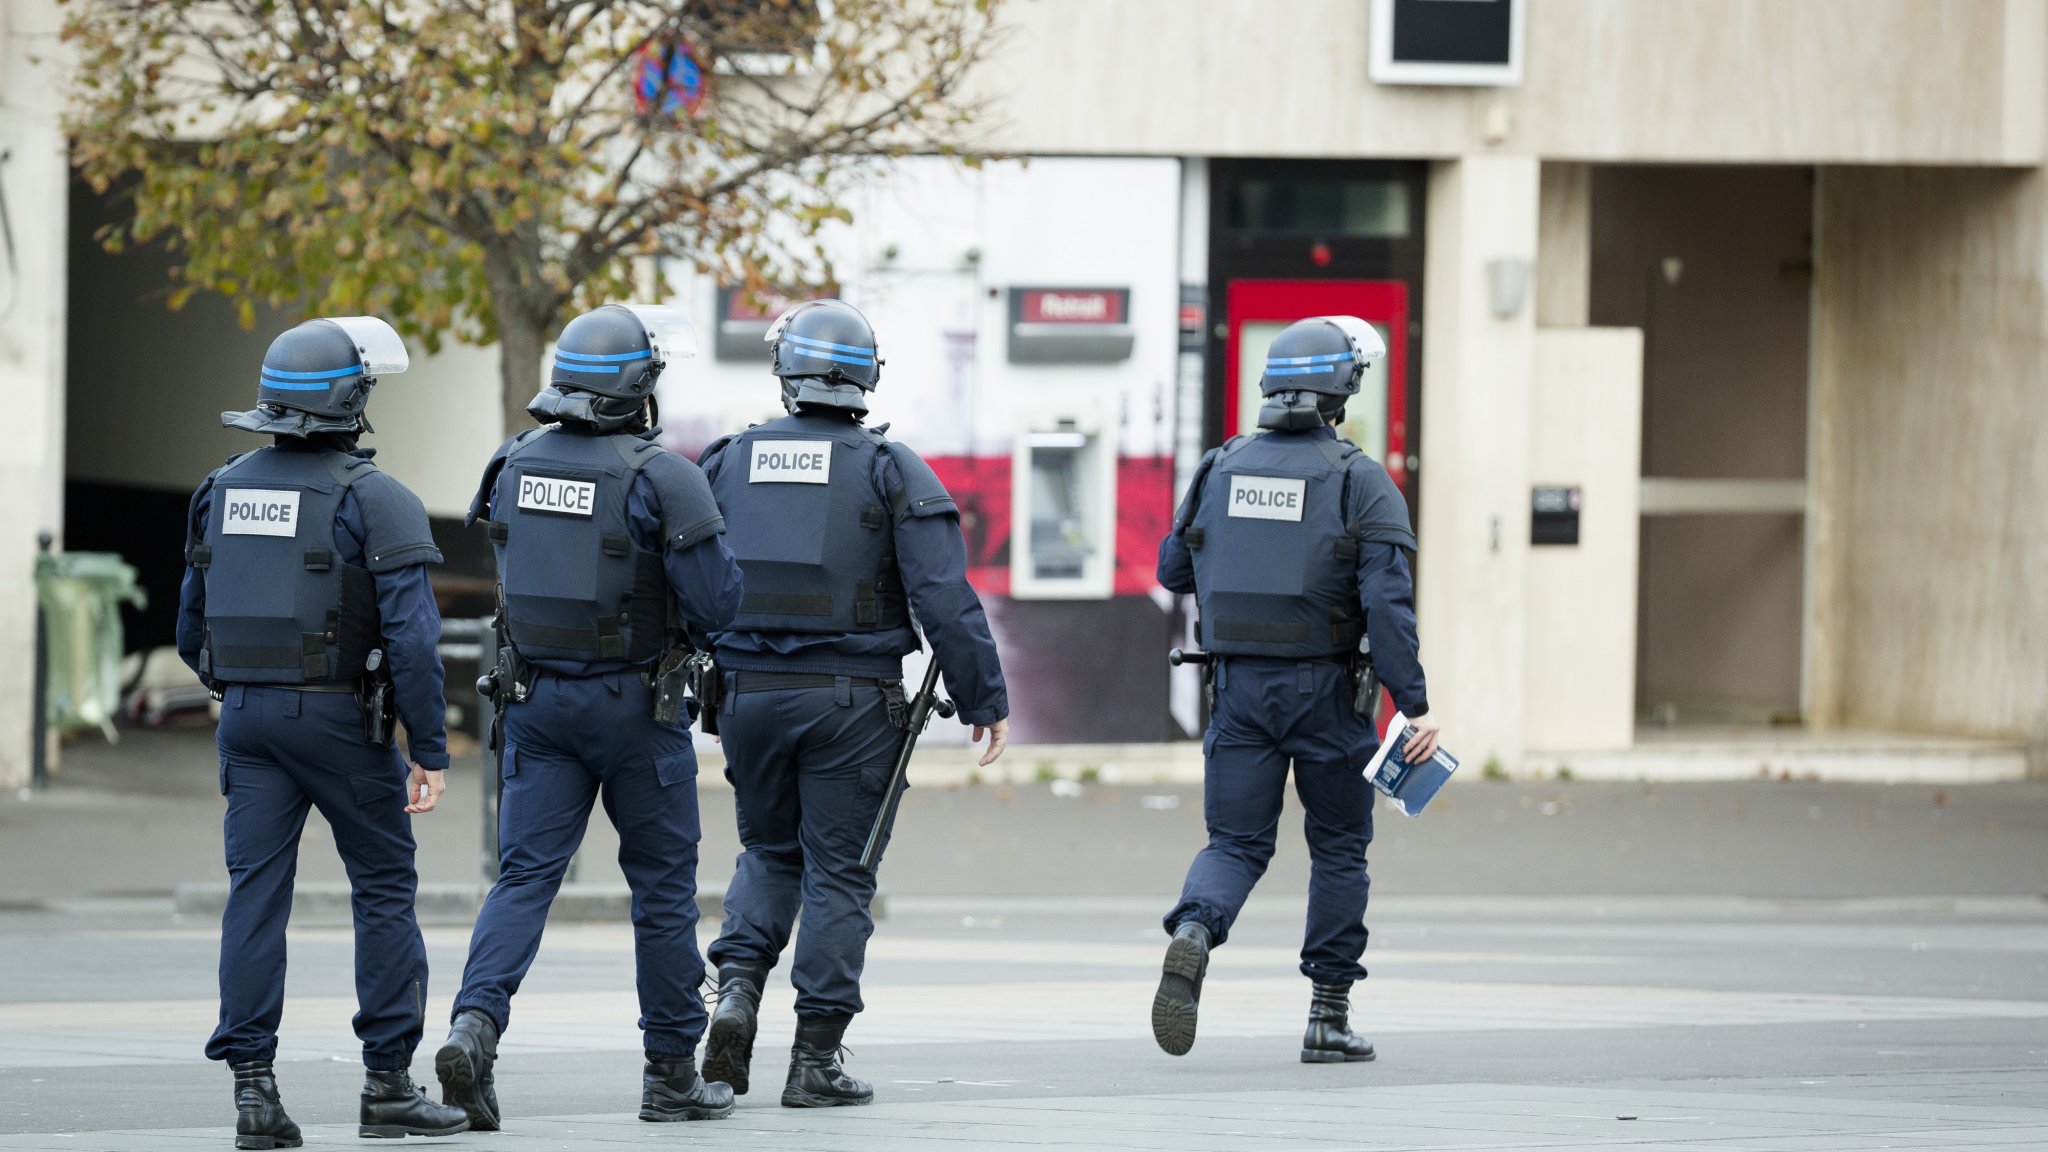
x=1256 y=311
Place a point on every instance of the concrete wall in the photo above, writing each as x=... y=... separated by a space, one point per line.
x=1725 y=366
x=32 y=327
x=1584 y=421
x=1476 y=370
x=1900 y=81
x=151 y=384
x=1930 y=547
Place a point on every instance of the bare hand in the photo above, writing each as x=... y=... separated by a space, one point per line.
x=1422 y=745
x=998 y=739
x=424 y=790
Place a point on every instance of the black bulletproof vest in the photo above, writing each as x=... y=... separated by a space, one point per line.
x=575 y=586
x=811 y=534
x=1275 y=564
x=281 y=607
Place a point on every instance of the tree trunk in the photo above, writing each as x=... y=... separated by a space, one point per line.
x=522 y=342
x=525 y=313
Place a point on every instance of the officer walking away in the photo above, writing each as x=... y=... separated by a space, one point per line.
x=1295 y=546
x=609 y=562
x=844 y=536
x=306 y=609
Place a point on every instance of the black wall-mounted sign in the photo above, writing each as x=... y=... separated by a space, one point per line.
x=1554 y=516
x=1456 y=42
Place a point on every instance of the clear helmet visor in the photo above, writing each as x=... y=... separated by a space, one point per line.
x=382 y=349
x=1370 y=344
x=668 y=330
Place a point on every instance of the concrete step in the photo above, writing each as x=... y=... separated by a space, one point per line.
x=1685 y=754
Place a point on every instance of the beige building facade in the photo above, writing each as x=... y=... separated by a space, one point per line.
x=1759 y=288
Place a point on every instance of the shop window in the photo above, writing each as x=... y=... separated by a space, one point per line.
x=1368 y=208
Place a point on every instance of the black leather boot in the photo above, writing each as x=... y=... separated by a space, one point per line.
x=1180 y=989
x=729 y=1045
x=815 y=1078
x=670 y=1089
x=1329 y=1039
x=464 y=1065
x=394 y=1107
x=260 y=1121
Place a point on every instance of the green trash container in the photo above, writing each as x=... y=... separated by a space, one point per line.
x=81 y=594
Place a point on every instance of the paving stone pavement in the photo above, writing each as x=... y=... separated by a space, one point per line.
x=1868 y=970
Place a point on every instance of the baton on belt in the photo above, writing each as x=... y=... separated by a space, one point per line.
x=922 y=706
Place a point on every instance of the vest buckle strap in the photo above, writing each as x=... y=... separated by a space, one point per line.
x=313 y=656
x=319 y=559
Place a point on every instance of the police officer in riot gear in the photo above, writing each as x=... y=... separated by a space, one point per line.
x=844 y=536
x=306 y=609
x=610 y=566
x=1295 y=545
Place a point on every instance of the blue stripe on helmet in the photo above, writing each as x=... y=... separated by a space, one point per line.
x=1331 y=358
x=607 y=369
x=1318 y=370
x=587 y=358
x=289 y=386
x=332 y=374
x=807 y=342
x=862 y=361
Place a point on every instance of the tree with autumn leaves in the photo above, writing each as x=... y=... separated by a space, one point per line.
x=486 y=169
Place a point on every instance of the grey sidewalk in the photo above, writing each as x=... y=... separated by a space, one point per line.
x=131 y=822
x=1756 y=967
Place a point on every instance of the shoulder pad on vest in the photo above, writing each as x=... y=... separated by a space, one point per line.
x=347 y=467
x=395 y=529
x=689 y=513
x=480 y=504
x=1374 y=506
x=1192 y=502
x=922 y=494
x=1339 y=452
x=708 y=459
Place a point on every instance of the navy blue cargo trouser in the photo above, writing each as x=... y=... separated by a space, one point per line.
x=808 y=767
x=570 y=743
x=1270 y=713
x=283 y=752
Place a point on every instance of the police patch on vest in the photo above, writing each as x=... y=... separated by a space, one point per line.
x=791 y=462
x=1266 y=497
x=552 y=494
x=255 y=512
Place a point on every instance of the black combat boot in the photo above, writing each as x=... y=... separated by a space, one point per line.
x=670 y=1089
x=464 y=1065
x=1180 y=989
x=815 y=1078
x=1329 y=1039
x=729 y=1045
x=260 y=1121
x=394 y=1107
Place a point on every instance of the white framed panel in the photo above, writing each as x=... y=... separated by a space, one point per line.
x=1386 y=67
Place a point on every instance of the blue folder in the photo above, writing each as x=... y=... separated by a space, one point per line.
x=1408 y=787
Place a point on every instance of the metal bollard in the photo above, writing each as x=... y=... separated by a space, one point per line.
x=39 y=724
x=466 y=640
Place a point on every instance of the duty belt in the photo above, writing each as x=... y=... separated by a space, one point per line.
x=779 y=681
x=348 y=686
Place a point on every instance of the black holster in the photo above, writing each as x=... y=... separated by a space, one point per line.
x=670 y=683
x=380 y=714
x=1365 y=686
x=707 y=689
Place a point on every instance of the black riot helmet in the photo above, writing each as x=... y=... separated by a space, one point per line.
x=825 y=353
x=1313 y=366
x=607 y=363
x=317 y=377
